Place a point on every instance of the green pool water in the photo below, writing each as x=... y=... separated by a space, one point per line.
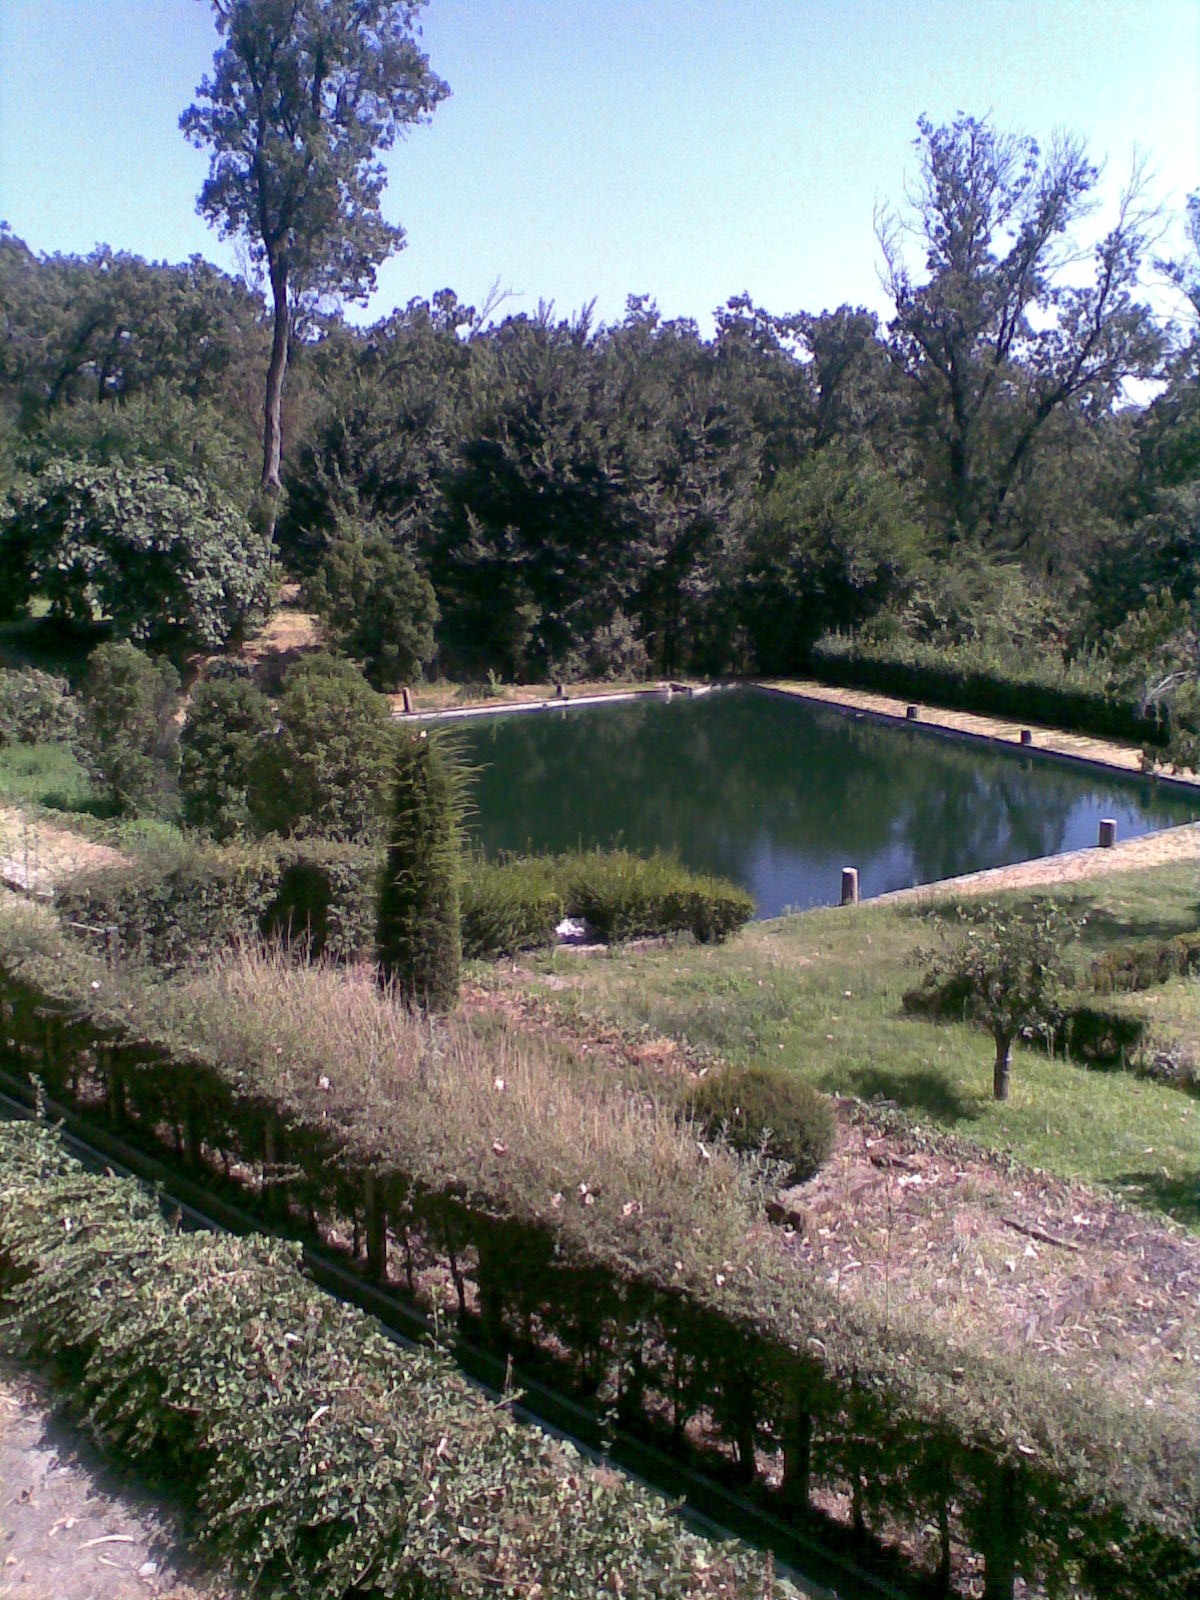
x=779 y=795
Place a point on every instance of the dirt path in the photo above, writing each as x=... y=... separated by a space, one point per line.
x=68 y=1529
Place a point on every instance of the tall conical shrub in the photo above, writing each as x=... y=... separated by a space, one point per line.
x=419 y=932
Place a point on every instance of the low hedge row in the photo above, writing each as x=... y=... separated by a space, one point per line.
x=1129 y=967
x=182 y=906
x=640 y=1276
x=322 y=1460
x=959 y=678
x=1096 y=1036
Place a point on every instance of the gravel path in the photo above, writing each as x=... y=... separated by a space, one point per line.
x=69 y=1530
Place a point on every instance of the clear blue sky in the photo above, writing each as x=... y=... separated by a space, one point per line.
x=596 y=148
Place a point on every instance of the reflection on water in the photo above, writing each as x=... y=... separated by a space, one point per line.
x=779 y=795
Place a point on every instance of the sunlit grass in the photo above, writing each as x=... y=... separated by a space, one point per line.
x=820 y=993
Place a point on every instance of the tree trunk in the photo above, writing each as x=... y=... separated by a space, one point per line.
x=272 y=404
x=1003 y=1069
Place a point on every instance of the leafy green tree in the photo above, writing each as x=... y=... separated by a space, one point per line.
x=833 y=542
x=327 y=768
x=166 y=560
x=1010 y=968
x=376 y=605
x=229 y=721
x=304 y=96
x=420 y=923
x=127 y=735
x=1000 y=336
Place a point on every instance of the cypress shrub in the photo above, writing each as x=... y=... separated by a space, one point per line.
x=419 y=935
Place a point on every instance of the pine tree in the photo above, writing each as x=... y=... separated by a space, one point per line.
x=419 y=932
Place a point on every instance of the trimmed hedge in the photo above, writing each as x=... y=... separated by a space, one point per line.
x=1129 y=967
x=324 y=1461
x=639 y=1276
x=178 y=907
x=961 y=679
x=184 y=905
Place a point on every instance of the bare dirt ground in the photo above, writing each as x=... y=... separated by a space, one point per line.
x=990 y=1251
x=36 y=854
x=68 y=1529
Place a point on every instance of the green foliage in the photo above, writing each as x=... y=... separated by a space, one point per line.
x=767 y=1110
x=665 y=1270
x=1141 y=965
x=327 y=769
x=833 y=542
x=128 y=740
x=176 y=907
x=509 y=905
x=376 y=606
x=226 y=1403
x=420 y=928
x=974 y=677
x=35 y=707
x=624 y=896
x=166 y=560
x=228 y=721
x=1010 y=968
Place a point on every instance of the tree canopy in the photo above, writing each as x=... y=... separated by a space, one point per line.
x=304 y=96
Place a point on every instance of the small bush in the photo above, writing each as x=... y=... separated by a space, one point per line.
x=229 y=720
x=769 y=1110
x=128 y=739
x=625 y=896
x=326 y=770
x=509 y=906
x=35 y=707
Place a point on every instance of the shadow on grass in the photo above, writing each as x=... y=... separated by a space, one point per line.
x=928 y=1092
x=1177 y=1197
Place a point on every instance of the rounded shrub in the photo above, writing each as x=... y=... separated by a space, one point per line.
x=770 y=1110
x=35 y=707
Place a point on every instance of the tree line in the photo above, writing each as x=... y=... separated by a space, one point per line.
x=539 y=496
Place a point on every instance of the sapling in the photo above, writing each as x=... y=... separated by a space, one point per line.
x=1011 y=967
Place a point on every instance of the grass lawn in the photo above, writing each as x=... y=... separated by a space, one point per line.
x=820 y=994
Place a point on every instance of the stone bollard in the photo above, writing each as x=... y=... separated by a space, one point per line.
x=849 y=886
x=1026 y=735
x=911 y=713
x=1108 y=833
x=408 y=701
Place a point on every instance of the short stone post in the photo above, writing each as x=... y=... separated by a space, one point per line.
x=849 y=886
x=911 y=713
x=407 y=701
x=1108 y=833
x=1026 y=735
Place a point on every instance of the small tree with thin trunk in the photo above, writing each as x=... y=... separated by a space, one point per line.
x=1009 y=970
x=304 y=96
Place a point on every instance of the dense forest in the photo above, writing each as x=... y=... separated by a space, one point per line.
x=1009 y=466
